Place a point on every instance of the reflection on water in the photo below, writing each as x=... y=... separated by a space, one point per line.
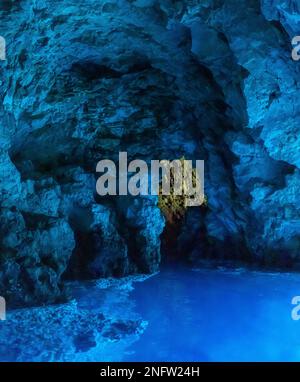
x=176 y=315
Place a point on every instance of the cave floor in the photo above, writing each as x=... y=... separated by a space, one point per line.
x=176 y=315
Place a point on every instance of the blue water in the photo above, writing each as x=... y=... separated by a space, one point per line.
x=186 y=315
x=218 y=316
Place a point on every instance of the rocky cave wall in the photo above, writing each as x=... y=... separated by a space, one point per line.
x=85 y=79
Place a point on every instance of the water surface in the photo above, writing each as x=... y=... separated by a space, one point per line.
x=176 y=315
x=218 y=315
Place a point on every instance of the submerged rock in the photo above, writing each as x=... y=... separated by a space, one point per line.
x=62 y=333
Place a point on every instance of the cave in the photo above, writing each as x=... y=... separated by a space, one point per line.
x=176 y=99
x=211 y=80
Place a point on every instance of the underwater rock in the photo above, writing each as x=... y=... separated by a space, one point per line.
x=67 y=329
x=119 y=328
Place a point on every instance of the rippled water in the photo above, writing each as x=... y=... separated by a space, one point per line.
x=184 y=315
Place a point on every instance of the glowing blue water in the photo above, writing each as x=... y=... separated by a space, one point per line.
x=218 y=316
x=192 y=315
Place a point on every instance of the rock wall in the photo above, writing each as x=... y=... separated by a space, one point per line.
x=85 y=79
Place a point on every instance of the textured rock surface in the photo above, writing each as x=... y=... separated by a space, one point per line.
x=84 y=80
x=100 y=323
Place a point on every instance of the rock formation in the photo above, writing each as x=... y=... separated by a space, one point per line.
x=86 y=79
